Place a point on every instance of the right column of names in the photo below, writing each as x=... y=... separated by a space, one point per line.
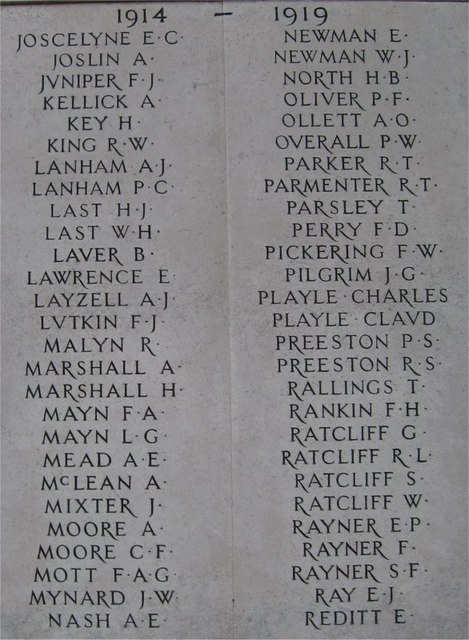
x=358 y=302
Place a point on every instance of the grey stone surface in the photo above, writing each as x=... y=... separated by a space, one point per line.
x=306 y=475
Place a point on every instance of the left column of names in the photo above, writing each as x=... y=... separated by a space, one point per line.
x=116 y=465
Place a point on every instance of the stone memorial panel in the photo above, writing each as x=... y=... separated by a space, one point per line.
x=234 y=276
